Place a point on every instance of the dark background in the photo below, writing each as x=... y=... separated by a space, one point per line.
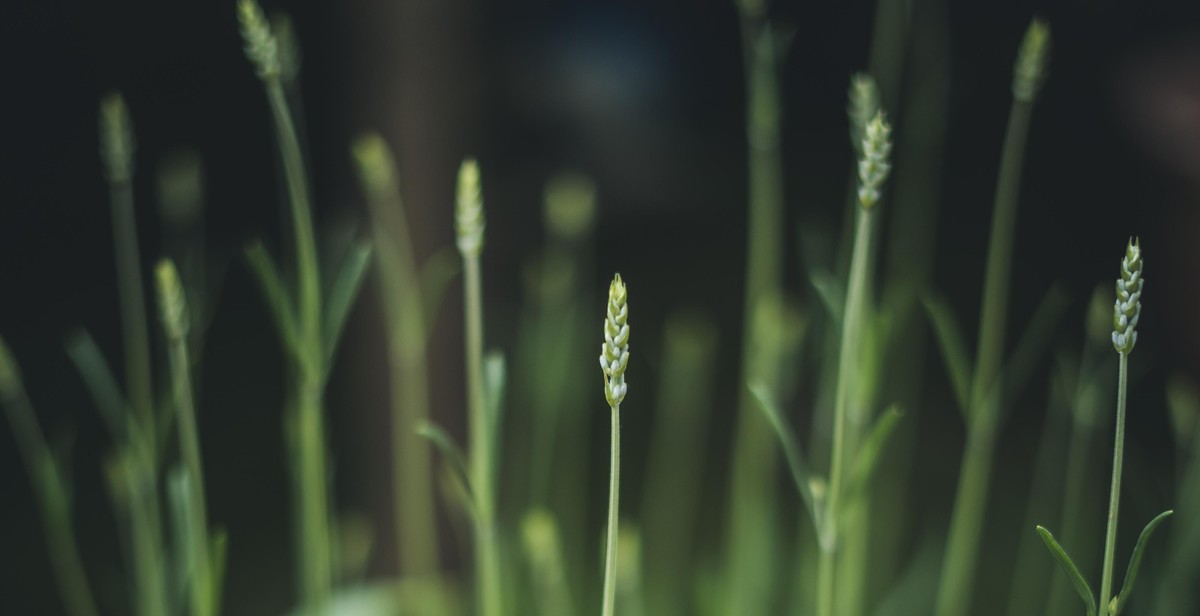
x=646 y=98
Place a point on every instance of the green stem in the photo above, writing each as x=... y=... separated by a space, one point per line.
x=958 y=565
x=53 y=499
x=135 y=331
x=203 y=600
x=145 y=520
x=412 y=486
x=848 y=358
x=487 y=556
x=1114 y=495
x=751 y=538
x=316 y=566
x=614 y=495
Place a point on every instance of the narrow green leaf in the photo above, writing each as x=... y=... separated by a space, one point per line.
x=801 y=474
x=219 y=557
x=1135 y=560
x=435 y=277
x=276 y=295
x=101 y=384
x=179 y=499
x=954 y=350
x=454 y=456
x=495 y=378
x=868 y=456
x=830 y=291
x=341 y=296
x=1068 y=566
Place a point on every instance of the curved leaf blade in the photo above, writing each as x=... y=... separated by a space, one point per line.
x=953 y=348
x=1135 y=560
x=1068 y=567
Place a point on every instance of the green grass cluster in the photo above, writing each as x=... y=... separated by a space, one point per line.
x=838 y=546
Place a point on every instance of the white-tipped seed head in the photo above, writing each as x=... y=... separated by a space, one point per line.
x=1030 y=69
x=172 y=304
x=614 y=353
x=863 y=105
x=468 y=216
x=1128 y=306
x=116 y=139
x=873 y=164
x=261 y=47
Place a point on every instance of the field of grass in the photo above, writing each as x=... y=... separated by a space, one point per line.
x=841 y=447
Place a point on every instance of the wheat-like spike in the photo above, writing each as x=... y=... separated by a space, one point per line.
x=873 y=165
x=261 y=46
x=468 y=216
x=1128 y=306
x=116 y=139
x=172 y=304
x=864 y=104
x=1030 y=69
x=614 y=353
x=287 y=46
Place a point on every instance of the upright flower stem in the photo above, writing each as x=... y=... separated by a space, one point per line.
x=308 y=357
x=175 y=324
x=970 y=503
x=614 y=496
x=873 y=168
x=1114 y=495
x=614 y=358
x=412 y=485
x=469 y=220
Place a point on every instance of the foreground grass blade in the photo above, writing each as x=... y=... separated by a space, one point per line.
x=99 y=380
x=275 y=294
x=453 y=454
x=1135 y=560
x=342 y=295
x=868 y=456
x=1068 y=567
x=801 y=474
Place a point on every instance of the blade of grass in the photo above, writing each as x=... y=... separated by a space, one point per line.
x=1068 y=567
x=954 y=350
x=342 y=295
x=1135 y=560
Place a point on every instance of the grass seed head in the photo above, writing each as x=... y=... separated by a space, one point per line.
x=864 y=104
x=873 y=164
x=287 y=46
x=374 y=162
x=469 y=213
x=570 y=200
x=1030 y=69
x=172 y=304
x=116 y=139
x=1128 y=306
x=261 y=47
x=614 y=353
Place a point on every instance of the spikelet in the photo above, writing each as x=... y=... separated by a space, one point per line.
x=172 y=304
x=863 y=105
x=873 y=165
x=614 y=353
x=116 y=139
x=469 y=213
x=1030 y=69
x=1128 y=306
x=261 y=46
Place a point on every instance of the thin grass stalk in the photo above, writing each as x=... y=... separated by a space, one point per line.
x=614 y=496
x=752 y=539
x=412 y=472
x=50 y=489
x=1114 y=495
x=315 y=549
x=175 y=325
x=848 y=359
x=962 y=548
x=470 y=225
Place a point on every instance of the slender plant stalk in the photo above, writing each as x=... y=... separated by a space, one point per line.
x=873 y=170
x=173 y=305
x=315 y=550
x=50 y=489
x=752 y=522
x=614 y=358
x=961 y=557
x=470 y=225
x=1114 y=495
x=614 y=495
x=412 y=485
